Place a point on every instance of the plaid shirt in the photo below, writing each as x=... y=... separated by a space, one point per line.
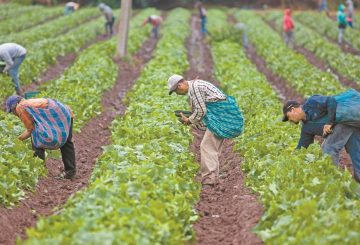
x=200 y=93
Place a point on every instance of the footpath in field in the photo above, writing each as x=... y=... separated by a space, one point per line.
x=229 y=211
x=52 y=192
x=285 y=91
x=62 y=63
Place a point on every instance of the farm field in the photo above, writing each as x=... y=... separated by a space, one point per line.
x=138 y=168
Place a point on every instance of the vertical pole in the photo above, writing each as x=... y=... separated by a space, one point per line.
x=125 y=15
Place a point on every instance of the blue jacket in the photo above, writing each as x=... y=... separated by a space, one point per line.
x=319 y=110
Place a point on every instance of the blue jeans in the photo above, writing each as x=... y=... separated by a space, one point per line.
x=203 y=25
x=348 y=137
x=155 y=31
x=14 y=70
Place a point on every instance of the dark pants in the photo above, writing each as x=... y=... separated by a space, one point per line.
x=109 y=26
x=67 y=153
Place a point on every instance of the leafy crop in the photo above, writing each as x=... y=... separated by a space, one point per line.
x=305 y=78
x=29 y=19
x=329 y=28
x=346 y=64
x=81 y=88
x=307 y=199
x=142 y=190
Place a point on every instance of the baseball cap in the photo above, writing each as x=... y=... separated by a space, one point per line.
x=12 y=101
x=287 y=107
x=173 y=82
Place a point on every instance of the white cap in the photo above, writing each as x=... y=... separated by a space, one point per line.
x=173 y=82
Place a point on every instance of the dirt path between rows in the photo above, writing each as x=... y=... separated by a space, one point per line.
x=320 y=64
x=228 y=211
x=286 y=92
x=63 y=63
x=346 y=47
x=52 y=192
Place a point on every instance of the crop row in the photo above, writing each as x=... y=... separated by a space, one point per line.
x=328 y=27
x=81 y=88
x=343 y=63
x=29 y=19
x=142 y=190
x=307 y=199
x=42 y=54
x=283 y=61
x=11 y=10
x=50 y=29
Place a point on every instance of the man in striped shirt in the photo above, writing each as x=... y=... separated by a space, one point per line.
x=201 y=92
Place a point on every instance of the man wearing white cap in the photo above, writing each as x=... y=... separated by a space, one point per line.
x=213 y=111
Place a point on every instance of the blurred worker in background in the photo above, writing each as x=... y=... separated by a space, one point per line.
x=109 y=17
x=349 y=12
x=202 y=15
x=323 y=6
x=70 y=7
x=49 y=124
x=241 y=27
x=155 y=21
x=288 y=27
x=13 y=55
x=212 y=111
x=341 y=20
x=336 y=118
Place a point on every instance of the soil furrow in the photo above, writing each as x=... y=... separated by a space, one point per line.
x=62 y=64
x=315 y=61
x=286 y=92
x=52 y=192
x=230 y=210
x=346 y=47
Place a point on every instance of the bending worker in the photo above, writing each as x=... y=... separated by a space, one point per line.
x=155 y=21
x=337 y=118
x=109 y=17
x=13 y=55
x=213 y=111
x=49 y=124
x=70 y=7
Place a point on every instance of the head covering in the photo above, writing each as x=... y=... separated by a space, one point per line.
x=101 y=6
x=173 y=82
x=12 y=101
x=341 y=7
x=287 y=107
x=287 y=12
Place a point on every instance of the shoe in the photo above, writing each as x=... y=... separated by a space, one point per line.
x=70 y=174
x=209 y=180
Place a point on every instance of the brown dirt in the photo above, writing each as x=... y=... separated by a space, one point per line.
x=311 y=57
x=62 y=64
x=279 y=84
x=286 y=92
x=315 y=61
x=228 y=211
x=51 y=192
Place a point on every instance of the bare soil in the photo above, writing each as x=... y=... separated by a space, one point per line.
x=51 y=192
x=315 y=61
x=286 y=92
x=229 y=211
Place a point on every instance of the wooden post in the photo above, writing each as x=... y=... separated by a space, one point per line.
x=125 y=15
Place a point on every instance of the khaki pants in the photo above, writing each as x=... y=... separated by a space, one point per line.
x=210 y=149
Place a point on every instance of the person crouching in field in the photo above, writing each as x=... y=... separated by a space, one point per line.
x=49 y=124
x=212 y=111
x=288 y=27
x=109 y=18
x=155 y=21
x=336 y=118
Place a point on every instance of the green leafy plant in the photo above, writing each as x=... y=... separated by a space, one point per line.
x=142 y=190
